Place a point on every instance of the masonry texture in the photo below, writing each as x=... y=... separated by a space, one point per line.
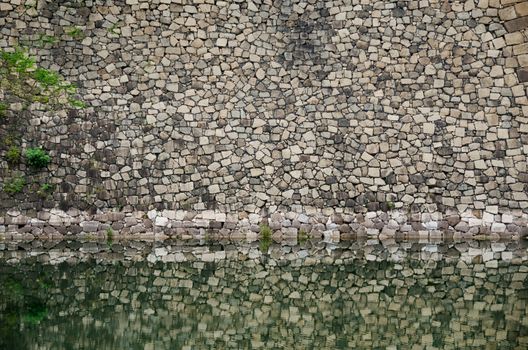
x=257 y=107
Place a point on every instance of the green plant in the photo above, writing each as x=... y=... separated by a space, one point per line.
x=21 y=80
x=44 y=40
x=14 y=185
x=76 y=103
x=13 y=155
x=37 y=158
x=265 y=238
x=45 y=190
x=391 y=205
x=75 y=33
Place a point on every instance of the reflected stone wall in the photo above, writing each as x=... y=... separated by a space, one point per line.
x=271 y=301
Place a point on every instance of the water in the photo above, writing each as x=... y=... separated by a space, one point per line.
x=358 y=295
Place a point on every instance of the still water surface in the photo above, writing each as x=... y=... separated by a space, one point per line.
x=72 y=295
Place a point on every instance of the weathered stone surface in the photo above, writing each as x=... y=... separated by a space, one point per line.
x=516 y=24
x=522 y=74
x=302 y=107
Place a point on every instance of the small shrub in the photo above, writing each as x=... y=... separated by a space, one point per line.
x=46 y=78
x=14 y=185
x=13 y=155
x=37 y=158
x=265 y=231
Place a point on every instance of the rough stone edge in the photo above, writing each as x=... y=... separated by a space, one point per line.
x=328 y=224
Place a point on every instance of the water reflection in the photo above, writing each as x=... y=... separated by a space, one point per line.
x=86 y=295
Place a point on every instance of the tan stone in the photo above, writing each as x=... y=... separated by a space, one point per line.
x=523 y=60
x=522 y=9
x=514 y=38
x=507 y=13
x=520 y=49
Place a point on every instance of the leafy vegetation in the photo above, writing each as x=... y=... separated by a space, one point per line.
x=44 y=40
x=37 y=158
x=21 y=80
x=14 y=185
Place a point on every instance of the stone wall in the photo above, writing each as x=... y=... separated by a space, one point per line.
x=257 y=107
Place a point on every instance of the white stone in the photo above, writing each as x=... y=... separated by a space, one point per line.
x=161 y=221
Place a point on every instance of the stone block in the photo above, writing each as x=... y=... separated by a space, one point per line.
x=522 y=75
x=508 y=13
x=517 y=24
x=523 y=60
x=520 y=49
x=522 y=9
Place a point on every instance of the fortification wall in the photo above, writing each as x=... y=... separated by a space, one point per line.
x=258 y=107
